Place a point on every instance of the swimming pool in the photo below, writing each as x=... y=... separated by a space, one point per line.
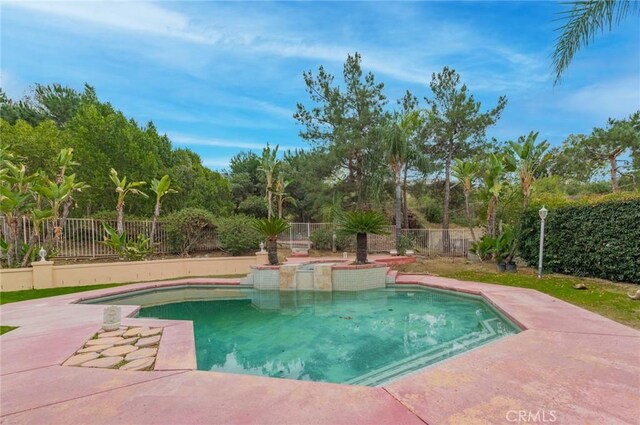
x=365 y=338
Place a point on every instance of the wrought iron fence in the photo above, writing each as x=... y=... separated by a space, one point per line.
x=427 y=242
x=81 y=238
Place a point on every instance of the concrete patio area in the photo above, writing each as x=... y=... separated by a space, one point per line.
x=568 y=366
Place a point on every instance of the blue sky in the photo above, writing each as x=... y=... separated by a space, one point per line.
x=224 y=77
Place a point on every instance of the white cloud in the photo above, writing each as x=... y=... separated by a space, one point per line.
x=131 y=16
x=186 y=140
x=12 y=86
x=217 y=163
x=257 y=32
x=614 y=98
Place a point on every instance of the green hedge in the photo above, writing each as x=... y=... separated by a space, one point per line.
x=596 y=240
x=236 y=235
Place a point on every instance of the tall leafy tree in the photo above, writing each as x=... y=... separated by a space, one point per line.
x=245 y=178
x=582 y=21
x=528 y=159
x=416 y=159
x=609 y=150
x=466 y=171
x=281 y=195
x=458 y=126
x=161 y=188
x=396 y=135
x=269 y=166
x=53 y=116
x=607 y=145
x=124 y=188
x=343 y=122
x=493 y=177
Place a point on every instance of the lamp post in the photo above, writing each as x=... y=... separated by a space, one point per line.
x=543 y=214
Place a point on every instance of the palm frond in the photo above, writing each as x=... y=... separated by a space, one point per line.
x=270 y=227
x=582 y=22
x=353 y=223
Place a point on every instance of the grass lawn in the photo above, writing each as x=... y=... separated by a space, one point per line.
x=5 y=329
x=604 y=297
x=31 y=294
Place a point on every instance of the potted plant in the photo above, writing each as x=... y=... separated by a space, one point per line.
x=360 y=223
x=271 y=228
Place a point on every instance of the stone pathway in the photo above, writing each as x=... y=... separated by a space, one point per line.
x=128 y=348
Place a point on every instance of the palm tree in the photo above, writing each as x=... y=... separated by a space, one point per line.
x=16 y=201
x=160 y=188
x=583 y=21
x=281 y=195
x=271 y=228
x=396 y=137
x=465 y=172
x=269 y=165
x=493 y=179
x=528 y=159
x=123 y=189
x=360 y=223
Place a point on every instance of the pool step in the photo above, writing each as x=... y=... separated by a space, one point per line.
x=491 y=329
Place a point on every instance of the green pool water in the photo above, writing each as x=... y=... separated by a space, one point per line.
x=365 y=338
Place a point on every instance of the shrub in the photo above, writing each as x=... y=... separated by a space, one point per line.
x=590 y=238
x=322 y=238
x=431 y=209
x=237 y=236
x=254 y=205
x=406 y=242
x=483 y=248
x=186 y=228
x=131 y=250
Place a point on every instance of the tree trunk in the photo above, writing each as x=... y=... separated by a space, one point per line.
x=269 y=205
x=468 y=212
x=491 y=217
x=120 y=222
x=361 y=248
x=272 y=251
x=398 y=210
x=154 y=224
x=447 y=199
x=14 y=241
x=614 y=174
x=405 y=222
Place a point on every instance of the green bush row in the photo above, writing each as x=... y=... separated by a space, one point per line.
x=597 y=240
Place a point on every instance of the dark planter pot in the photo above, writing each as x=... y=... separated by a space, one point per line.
x=512 y=267
x=502 y=267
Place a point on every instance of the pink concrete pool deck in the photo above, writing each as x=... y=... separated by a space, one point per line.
x=568 y=366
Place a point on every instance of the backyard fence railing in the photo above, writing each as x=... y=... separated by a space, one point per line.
x=81 y=238
x=428 y=242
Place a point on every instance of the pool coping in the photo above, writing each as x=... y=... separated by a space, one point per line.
x=579 y=343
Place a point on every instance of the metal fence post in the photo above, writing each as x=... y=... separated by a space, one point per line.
x=93 y=239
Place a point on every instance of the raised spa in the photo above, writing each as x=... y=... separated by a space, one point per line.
x=366 y=337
